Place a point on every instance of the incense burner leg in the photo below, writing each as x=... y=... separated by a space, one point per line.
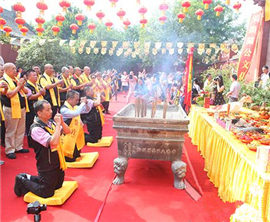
x=179 y=169
x=120 y=167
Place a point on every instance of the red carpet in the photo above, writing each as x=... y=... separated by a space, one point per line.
x=147 y=195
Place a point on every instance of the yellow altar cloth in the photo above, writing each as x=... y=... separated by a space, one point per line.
x=230 y=165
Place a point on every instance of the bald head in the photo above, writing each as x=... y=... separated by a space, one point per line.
x=77 y=70
x=10 y=70
x=48 y=69
x=87 y=70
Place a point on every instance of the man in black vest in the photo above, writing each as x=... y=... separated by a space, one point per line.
x=35 y=95
x=48 y=82
x=45 y=134
x=93 y=119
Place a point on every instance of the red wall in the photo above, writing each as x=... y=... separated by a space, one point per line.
x=8 y=54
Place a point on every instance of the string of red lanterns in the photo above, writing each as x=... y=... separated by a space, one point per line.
x=126 y=23
x=74 y=28
x=89 y=3
x=80 y=18
x=91 y=27
x=109 y=25
x=207 y=3
x=65 y=5
x=24 y=30
x=55 y=29
x=100 y=15
x=60 y=19
x=199 y=14
x=2 y=23
x=41 y=5
x=121 y=13
x=8 y=30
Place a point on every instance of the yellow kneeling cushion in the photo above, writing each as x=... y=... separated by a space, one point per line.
x=104 y=141
x=59 y=197
x=86 y=160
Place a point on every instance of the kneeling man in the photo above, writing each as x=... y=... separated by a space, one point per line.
x=74 y=142
x=45 y=134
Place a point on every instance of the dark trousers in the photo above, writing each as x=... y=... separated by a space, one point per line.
x=55 y=109
x=3 y=132
x=95 y=133
x=106 y=104
x=76 y=154
x=29 y=120
x=45 y=183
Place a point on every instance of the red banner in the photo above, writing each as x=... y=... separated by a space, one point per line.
x=189 y=74
x=249 y=44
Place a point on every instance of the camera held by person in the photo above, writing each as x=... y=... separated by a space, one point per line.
x=35 y=208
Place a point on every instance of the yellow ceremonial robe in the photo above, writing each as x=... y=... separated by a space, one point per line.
x=59 y=148
x=76 y=136
x=15 y=100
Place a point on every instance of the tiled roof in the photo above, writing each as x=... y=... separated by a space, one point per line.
x=10 y=16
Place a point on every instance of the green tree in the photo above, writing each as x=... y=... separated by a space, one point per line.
x=50 y=52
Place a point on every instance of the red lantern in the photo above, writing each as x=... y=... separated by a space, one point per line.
x=207 y=3
x=228 y=2
x=20 y=21
x=2 y=23
x=199 y=14
x=218 y=10
x=39 y=20
x=237 y=6
x=39 y=30
x=59 y=18
x=143 y=22
x=121 y=13
x=74 y=28
x=186 y=5
x=163 y=7
x=42 y=7
x=109 y=25
x=92 y=27
x=100 y=15
x=55 y=29
x=162 y=19
x=80 y=18
x=142 y=11
x=113 y=2
x=19 y=8
x=8 y=30
x=126 y=23
x=24 y=30
x=1 y=10
x=89 y=3
x=65 y=5
x=181 y=17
